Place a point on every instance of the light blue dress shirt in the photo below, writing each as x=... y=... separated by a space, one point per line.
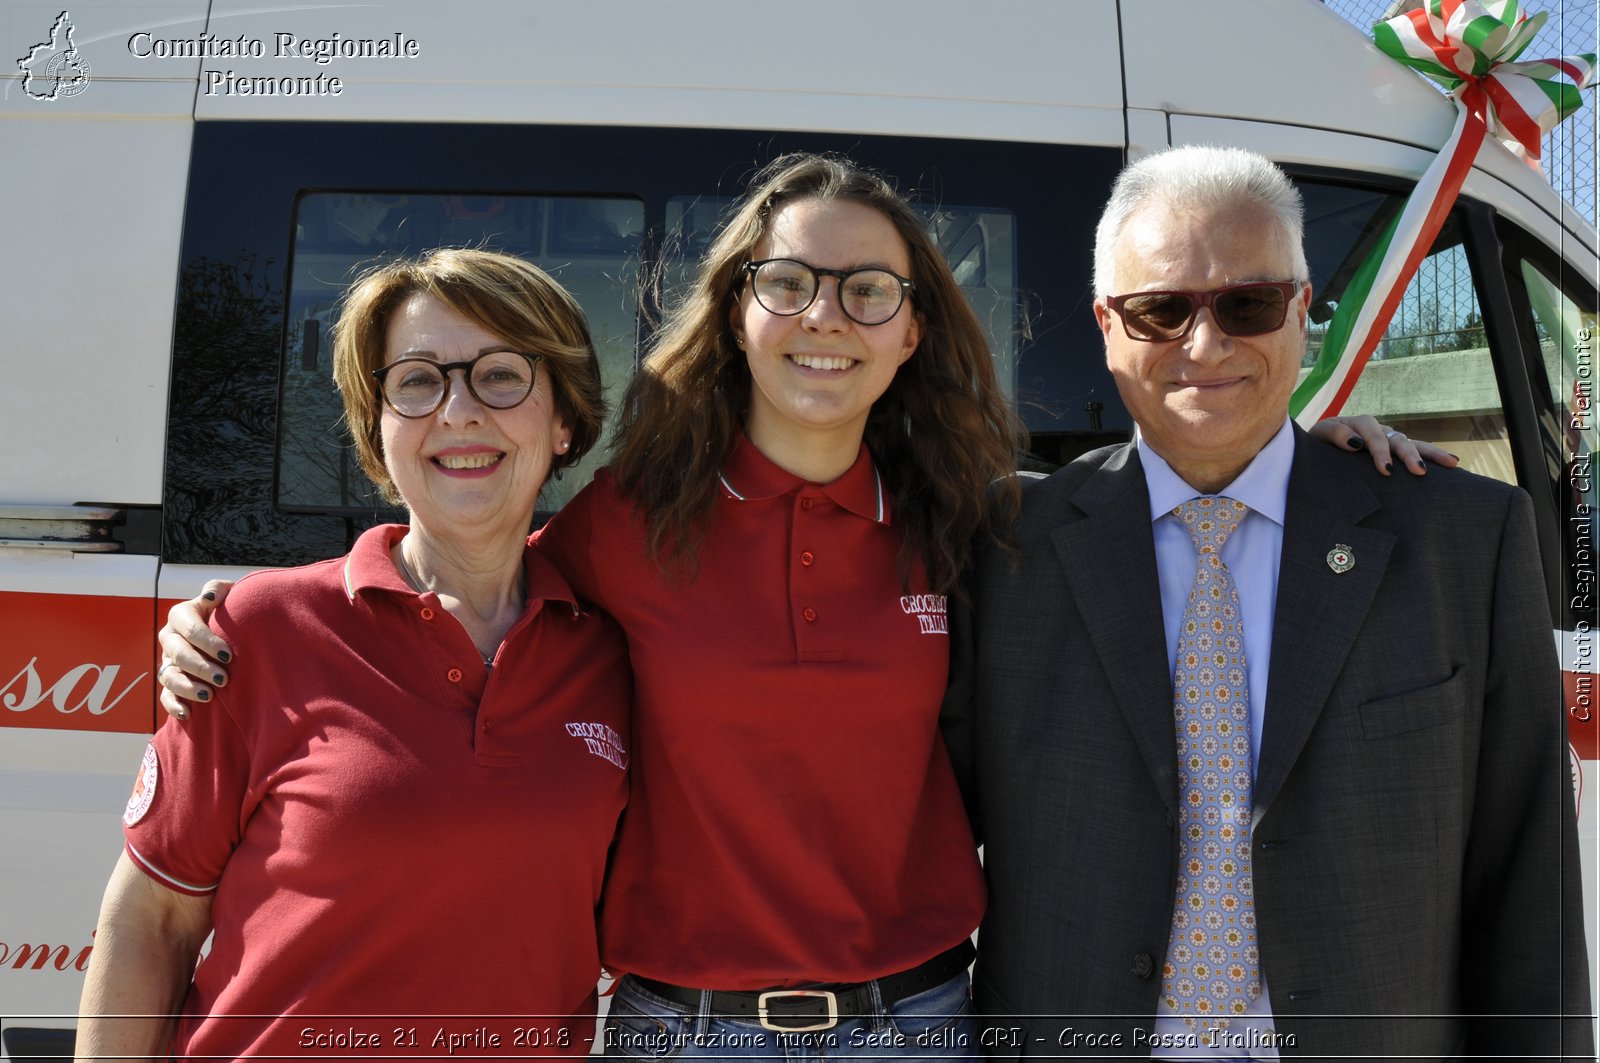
x=1252 y=554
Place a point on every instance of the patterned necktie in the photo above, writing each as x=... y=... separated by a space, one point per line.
x=1213 y=968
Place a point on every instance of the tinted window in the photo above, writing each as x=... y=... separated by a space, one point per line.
x=1431 y=375
x=258 y=471
x=589 y=244
x=1566 y=328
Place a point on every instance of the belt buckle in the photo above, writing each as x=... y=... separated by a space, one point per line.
x=831 y=1020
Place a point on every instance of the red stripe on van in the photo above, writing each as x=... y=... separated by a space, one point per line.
x=77 y=662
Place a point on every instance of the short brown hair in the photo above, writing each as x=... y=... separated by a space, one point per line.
x=508 y=296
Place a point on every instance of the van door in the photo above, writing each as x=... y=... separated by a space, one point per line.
x=87 y=286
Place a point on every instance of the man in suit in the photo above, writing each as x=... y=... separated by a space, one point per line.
x=1322 y=808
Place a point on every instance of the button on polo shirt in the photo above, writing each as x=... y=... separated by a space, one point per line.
x=820 y=525
x=794 y=815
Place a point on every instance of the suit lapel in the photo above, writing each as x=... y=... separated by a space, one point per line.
x=1109 y=558
x=1319 y=610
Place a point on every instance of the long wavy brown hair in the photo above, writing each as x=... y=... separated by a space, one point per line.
x=943 y=436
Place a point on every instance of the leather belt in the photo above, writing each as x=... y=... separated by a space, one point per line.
x=820 y=1007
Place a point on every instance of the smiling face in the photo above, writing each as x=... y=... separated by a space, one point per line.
x=1206 y=402
x=816 y=374
x=466 y=468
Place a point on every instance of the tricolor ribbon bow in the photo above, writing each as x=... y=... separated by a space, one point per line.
x=1469 y=46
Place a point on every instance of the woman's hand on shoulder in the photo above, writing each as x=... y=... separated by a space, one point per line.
x=192 y=655
x=1385 y=444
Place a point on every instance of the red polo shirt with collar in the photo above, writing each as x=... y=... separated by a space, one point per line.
x=794 y=814
x=393 y=834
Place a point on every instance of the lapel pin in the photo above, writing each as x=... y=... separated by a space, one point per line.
x=1341 y=558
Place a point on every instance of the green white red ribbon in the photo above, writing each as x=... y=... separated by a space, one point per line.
x=1471 y=48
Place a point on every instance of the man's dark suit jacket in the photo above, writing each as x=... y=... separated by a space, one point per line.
x=1415 y=854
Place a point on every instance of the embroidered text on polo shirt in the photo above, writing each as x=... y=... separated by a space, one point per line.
x=602 y=741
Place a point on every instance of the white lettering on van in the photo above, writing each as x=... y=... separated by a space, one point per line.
x=98 y=699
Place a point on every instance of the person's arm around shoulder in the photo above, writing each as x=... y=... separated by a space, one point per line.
x=190 y=650
x=146 y=943
x=194 y=658
x=1523 y=939
x=1385 y=445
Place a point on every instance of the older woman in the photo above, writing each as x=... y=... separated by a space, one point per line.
x=441 y=730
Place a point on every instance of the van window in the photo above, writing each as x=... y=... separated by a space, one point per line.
x=1432 y=375
x=592 y=246
x=980 y=244
x=1566 y=328
x=258 y=471
x=1565 y=324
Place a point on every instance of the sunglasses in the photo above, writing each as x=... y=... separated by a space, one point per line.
x=1253 y=309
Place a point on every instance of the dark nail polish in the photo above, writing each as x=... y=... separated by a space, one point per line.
x=1388 y=467
x=216 y=678
x=224 y=656
x=202 y=694
x=1357 y=443
x=209 y=596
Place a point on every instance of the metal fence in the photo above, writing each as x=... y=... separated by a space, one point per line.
x=1569 y=151
x=1439 y=311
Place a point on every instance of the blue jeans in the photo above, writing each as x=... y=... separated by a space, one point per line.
x=937 y=1024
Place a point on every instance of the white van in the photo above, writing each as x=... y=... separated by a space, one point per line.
x=188 y=186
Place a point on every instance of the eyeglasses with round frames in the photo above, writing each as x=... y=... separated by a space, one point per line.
x=1252 y=309
x=416 y=387
x=787 y=286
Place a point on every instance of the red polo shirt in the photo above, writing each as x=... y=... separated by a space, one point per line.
x=794 y=815
x=392 y=833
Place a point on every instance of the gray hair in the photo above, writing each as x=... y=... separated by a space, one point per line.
x=1198 y=177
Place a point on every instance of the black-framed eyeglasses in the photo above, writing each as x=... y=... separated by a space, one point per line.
x=1252 y=309
x=416 y=387
x=787 y=286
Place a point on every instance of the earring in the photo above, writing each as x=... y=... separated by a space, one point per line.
x=564 y=444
